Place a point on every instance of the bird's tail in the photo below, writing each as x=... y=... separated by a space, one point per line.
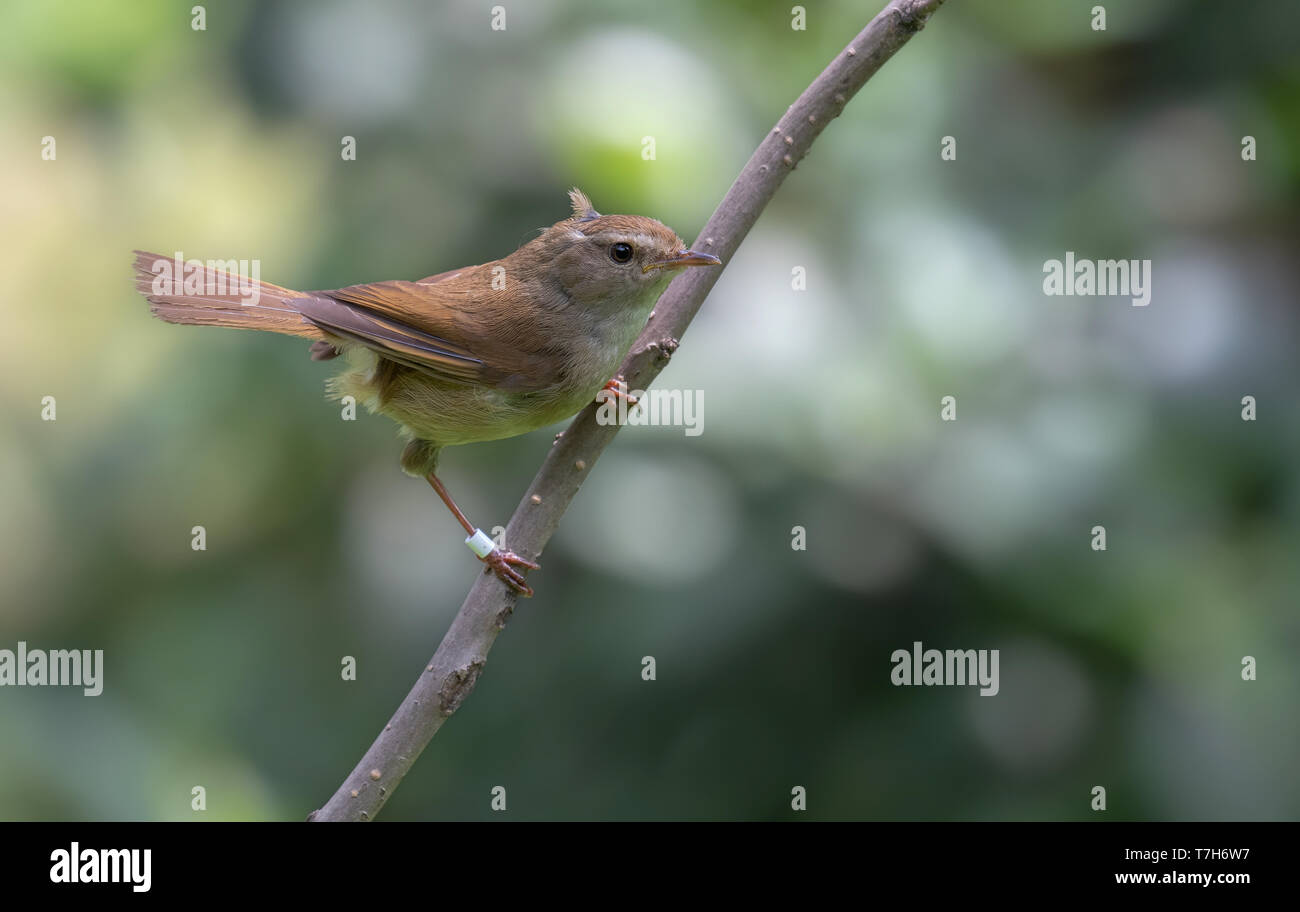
x=218 y=294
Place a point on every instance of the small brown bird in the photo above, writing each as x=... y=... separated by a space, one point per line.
x=472 y=354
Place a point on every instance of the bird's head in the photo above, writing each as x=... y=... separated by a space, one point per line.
x=611 y=261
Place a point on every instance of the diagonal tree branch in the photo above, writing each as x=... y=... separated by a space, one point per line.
x=451 y=674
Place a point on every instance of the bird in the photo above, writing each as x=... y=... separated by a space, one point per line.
x=467 y=355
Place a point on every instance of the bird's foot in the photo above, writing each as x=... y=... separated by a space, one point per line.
x=618 y=390
x=503 y=564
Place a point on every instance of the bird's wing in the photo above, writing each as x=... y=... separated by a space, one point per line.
x=403 y=322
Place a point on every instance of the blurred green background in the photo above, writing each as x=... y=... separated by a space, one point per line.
x=1118 y=668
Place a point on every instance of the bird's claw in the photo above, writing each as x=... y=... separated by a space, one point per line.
x=617 y=389
x=503 y=564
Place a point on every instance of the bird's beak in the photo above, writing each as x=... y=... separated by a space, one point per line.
x=685 y=258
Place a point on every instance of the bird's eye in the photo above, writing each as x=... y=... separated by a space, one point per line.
x=620 y=253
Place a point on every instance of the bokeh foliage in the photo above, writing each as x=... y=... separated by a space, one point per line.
x=821 y=410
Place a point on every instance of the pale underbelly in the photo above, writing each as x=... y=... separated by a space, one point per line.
x=450 y=415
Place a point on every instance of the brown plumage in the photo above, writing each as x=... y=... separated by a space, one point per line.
x=471 y=354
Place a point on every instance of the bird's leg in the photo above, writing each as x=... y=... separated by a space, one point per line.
x=618 y=390
x=502 y=563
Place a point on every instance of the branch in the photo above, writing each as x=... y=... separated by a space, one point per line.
x=452 y=673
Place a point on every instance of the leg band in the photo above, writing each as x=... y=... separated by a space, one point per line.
x=481 y=543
